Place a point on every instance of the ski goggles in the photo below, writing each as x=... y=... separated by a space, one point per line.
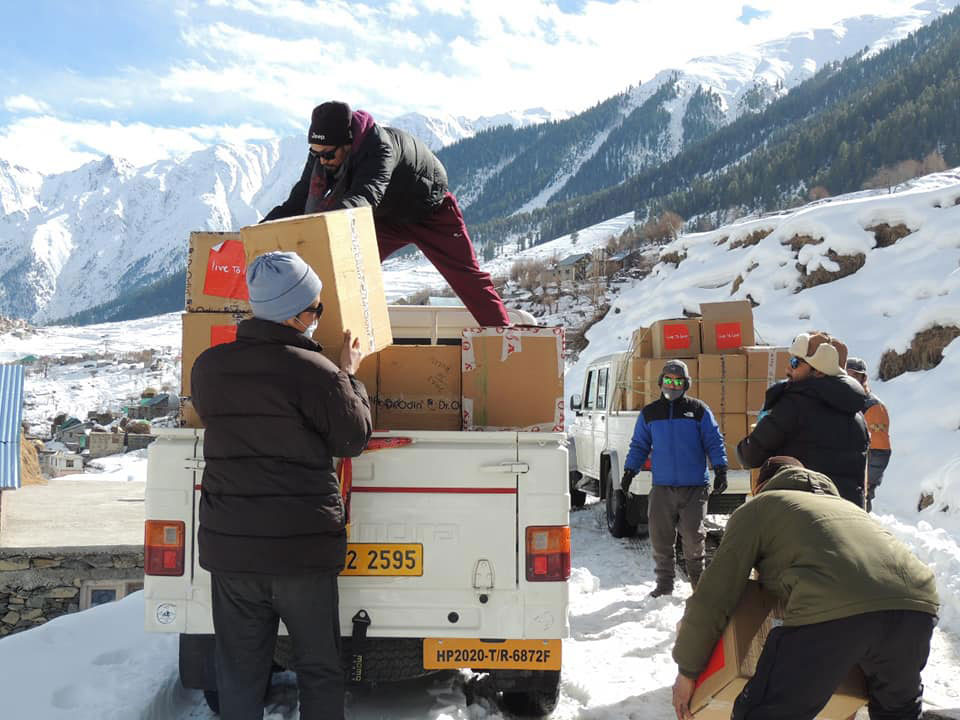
x=674 y=382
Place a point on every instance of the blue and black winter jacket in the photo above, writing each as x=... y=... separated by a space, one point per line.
x=681 y=433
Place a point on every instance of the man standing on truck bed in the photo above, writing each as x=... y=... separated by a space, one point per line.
x=272 y=535
x=355 y=162
x=681 y=431
x=853 y=595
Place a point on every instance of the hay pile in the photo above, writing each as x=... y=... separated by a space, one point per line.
x=29 y=464
x=925 y=352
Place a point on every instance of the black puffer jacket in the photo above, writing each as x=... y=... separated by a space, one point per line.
x=388 y=169
x=276 y=413
x=817 y=421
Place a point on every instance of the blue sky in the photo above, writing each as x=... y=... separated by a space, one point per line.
x=144 y=79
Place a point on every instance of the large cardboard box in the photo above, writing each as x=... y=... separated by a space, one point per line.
x=727 y=326
x=513 y=378
x=734 y=429
x=341 y=246
x=216 y=273
x=734 y=661
x=723 y=382
x=642 y=342
x=201 y=331
x=676 y=338
x=641 y=381
x=765 y=366
x=419 y=388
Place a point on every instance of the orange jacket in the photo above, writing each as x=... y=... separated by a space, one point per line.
x=878 y=423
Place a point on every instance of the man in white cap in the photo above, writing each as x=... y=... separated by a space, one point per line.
x=815 y=416
x=272 y=532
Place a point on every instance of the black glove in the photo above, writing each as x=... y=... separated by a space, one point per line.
x=627 y=478
x=719 y=479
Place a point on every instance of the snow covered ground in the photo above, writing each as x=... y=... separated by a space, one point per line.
x=100 y=663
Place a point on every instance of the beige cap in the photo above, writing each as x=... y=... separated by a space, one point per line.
x=822 y=352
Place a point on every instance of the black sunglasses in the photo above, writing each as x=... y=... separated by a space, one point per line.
x=324 y=154
x=316 y=309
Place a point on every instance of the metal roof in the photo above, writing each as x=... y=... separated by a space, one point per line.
x=11 y=414
x=573 y=259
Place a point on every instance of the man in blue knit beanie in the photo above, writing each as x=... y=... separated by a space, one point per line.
x=272 y=533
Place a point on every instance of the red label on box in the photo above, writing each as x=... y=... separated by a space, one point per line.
x=728 y=335
x=227 y=271
x=220 y=334
x=717 y=661
x=676 y=337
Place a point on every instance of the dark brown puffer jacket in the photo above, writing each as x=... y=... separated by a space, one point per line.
x=276 y=413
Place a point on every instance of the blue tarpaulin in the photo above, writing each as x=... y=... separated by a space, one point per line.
x=11 y=415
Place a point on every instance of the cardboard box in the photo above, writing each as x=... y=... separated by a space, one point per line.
x=418 y=388
x=734 y=429
x=513 y=378
x=201 y=331
x=727 y=326
x=723 y=382
x=734 y=661
x=641 y=381
x=765 y=366
x=341 y=246
x=677 y=338
x=216 y=273
x=188 y=414
x=641 y=342
x=367 y=374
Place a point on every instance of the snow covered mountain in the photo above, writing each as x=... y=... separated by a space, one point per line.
x=437 y=131
x=75 y=240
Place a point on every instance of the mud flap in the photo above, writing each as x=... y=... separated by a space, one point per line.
x=358 y=642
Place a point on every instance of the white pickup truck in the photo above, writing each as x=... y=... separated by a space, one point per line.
x=600 y=435
x=458 y=555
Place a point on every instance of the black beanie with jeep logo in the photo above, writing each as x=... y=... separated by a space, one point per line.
x=330 y=124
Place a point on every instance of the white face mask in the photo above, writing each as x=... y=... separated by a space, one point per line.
x=308 y=330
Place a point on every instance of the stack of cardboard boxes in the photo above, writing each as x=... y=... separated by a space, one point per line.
x=728 y=372
x=481 y=383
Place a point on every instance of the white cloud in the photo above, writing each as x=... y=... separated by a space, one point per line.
x=266 y=63
x=25 y=104
x=49 y=144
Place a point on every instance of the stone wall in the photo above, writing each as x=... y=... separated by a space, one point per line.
x=39 y=584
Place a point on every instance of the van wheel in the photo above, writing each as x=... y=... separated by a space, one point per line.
x=577 y=497
x=617 y=511
x=213 y=700
x=537 y=701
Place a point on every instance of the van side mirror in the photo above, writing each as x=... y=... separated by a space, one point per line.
x=575 y=401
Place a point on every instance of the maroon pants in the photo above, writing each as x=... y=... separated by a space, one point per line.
x=444 y=240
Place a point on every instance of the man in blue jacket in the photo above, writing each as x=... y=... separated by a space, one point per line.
x=684 y=432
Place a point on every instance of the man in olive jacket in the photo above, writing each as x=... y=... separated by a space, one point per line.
x=272 y=533
x=354 y=162
x=853 y=595
x=815 y=417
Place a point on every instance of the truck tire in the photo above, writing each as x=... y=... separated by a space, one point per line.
x=536 y=698
x=213 y=700
x=577 y=497
x=617 y=511
x=637 y=509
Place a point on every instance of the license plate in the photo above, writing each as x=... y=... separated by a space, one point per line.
x=442 y=653
x=384 y=559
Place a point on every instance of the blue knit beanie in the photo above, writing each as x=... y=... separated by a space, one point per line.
x=281 y=285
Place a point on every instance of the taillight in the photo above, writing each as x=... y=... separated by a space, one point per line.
x=548 y=553
x=163 y=547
